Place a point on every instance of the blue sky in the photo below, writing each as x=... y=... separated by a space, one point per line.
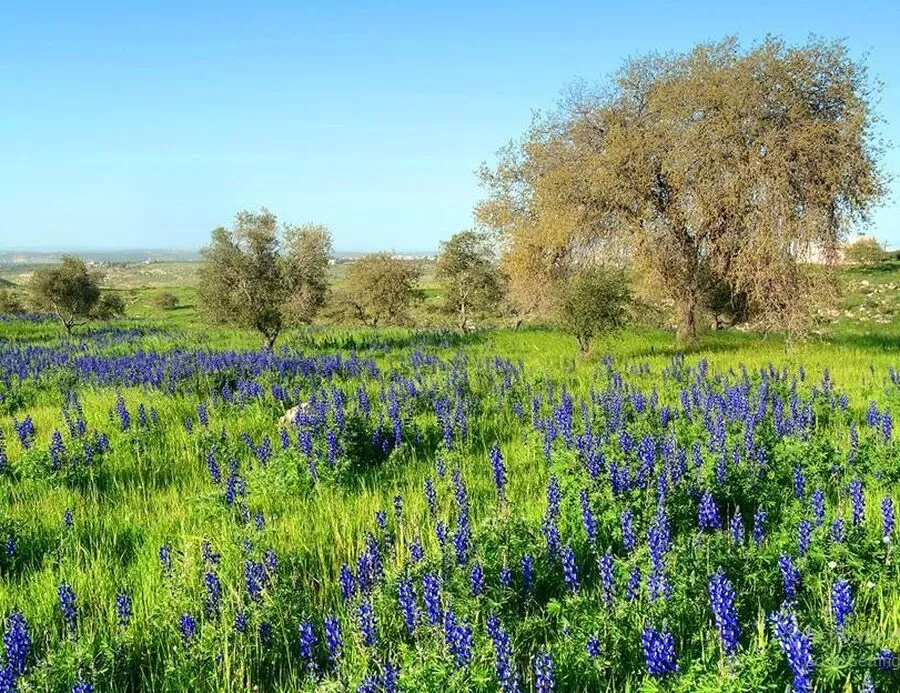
x=145 y=125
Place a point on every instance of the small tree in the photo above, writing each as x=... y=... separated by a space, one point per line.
x=9 y=302
x=309 y=248
x=247 y=281
x=469 y=278
x=864 y=251
x=72 y=293
x=592 y=302
x=381 y=288
x=165 y=301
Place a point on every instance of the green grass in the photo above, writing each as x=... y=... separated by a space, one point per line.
x=153 y=488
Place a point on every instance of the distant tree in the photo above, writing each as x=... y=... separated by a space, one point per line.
x=72 y=293
x=9 y=302
x=864 y=251
x=306 y=270
x=165 y=301
x=717 y=167
x=469 y=277
x=592 y=302
x=381 y=288
x=247 y=281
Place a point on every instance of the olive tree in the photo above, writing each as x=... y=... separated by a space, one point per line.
x=380 y=289
x=72 y=293
x=716 y=167
x=259 y=275
x=593 y=301
x=469 y=277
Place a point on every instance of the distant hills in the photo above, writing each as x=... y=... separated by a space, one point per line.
x=40 y=257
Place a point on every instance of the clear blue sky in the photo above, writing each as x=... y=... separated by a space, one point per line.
x=146 y=124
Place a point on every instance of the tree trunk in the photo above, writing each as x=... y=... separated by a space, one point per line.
x=269 y=341
x=686 y=321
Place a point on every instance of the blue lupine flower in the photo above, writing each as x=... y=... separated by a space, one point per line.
x=165 y=558
x=607 y=577
x=459 y=639
x=240 y=622
x=797 y=647
x=505 y=667
x=553 y=497
x=348 y=582
x=308 y=642
x=499 y=472
x=67 y=606
x=804 y=535
x=841 y=602
x=587 y=517
x=187 y=625
x=16 y=644
x=123 y=609
x=431 y=595
x=593 y=647
x=736 y=528
x=213 y=594
x=659 y=651
x=857 y=501
x=82 y=686
x=543 y=672
x=721 y=599
x=887 y=517
x=790 y=577
x=799 y=482
x=867 y=685
x=416 y=552
x=367 y=622
x=837 y=530
x=527 y=571
x=708 y=513
x=333 y=638
x=886 y=660
x=476 y=579
x=759 y=526
x=633 y=588
x=818 y=506
x=264 y=631
x=570 y=570
x=505 y=576
x=431 y=497
x=406 y=596
x=627 y=522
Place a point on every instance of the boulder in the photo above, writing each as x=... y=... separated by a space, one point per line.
x=290 y=416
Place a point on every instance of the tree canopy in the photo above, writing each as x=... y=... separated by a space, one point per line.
x=469 y=277
x=72 y=293
x=261 y=275
x=381 y=288
x=717 y=167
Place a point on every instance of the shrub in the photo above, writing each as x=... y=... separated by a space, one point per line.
x=165 y=301
x=593 y=301
x=864 y=251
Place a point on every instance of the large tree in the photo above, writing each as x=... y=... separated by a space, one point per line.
x=380 y=289
x=717 y=167
x=72 y=293
x=469 y=277
x=247 y=279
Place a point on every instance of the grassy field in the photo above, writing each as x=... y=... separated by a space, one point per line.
x=165 y=531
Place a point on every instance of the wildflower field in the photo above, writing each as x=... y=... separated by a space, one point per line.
x=445 y=513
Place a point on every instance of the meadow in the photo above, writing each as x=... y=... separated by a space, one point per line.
x=462 y=513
